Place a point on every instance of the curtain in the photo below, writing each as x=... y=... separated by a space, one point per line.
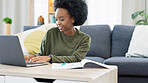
x=104 y=12
x=18 y=10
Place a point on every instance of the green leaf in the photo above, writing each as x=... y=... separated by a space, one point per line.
x=146 y=16
x=141 y=12
x=140 y=22
x=134 y=15
x=7 y=20
x=10 y=21
x=145 y=22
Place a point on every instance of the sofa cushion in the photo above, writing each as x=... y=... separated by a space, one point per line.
x=121 y=36
x=129 y=66
x=97 y=59
x=132 y=79
x=100 y=40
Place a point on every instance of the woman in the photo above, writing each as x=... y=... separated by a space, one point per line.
x=65 y=43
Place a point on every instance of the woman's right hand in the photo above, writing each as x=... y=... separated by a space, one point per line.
x=28 y=57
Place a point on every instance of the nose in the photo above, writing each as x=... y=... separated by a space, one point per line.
x=58 y=23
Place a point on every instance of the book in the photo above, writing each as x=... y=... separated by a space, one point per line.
x=85 y=63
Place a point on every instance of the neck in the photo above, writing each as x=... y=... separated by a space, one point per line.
x=70 y=32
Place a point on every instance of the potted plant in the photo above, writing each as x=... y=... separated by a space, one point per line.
x=143 y=21
x=8 y=21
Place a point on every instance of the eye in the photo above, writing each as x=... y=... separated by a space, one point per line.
x=62 y=19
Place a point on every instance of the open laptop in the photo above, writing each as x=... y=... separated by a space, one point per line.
x=11 y=52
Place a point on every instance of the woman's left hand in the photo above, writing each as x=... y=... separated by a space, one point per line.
x=40 y=59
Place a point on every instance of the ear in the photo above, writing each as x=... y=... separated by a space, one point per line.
x=72 y=19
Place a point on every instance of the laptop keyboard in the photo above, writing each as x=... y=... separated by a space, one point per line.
x=34 y=63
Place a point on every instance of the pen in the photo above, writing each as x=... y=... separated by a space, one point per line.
x=63 y=64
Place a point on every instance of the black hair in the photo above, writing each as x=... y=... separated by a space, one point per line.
x=77 y=8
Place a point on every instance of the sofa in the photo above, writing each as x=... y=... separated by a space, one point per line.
x=110 y=46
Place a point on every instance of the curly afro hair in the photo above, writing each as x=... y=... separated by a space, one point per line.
x=77 y=8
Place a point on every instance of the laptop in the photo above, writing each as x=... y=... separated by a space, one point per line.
x=11 y=52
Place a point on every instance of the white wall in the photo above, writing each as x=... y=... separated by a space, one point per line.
x=1 y=29
x=40 y=9
x=104 y=12
x=147 y=6
x=114 y=12
x=129 y=7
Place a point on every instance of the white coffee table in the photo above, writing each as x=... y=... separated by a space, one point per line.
x=90 y=75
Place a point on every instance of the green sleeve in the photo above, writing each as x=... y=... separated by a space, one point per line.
x=77 y=56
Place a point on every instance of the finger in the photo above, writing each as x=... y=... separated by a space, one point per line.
x=25 y=57
x=34 y=59
x=39 y=58
x=41 y=61
x=30 y=57
x=27 y=61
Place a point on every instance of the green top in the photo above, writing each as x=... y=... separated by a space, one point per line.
x=63 y=48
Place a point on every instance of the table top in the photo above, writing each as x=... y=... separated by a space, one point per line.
x=87 y=74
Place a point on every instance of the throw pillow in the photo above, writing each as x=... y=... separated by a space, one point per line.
x=31 y=39
x=139 y=43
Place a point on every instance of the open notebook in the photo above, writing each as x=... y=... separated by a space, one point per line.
x=11 y=52
x=85 y=63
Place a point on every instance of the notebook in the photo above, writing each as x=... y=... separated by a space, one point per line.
x=11 y=52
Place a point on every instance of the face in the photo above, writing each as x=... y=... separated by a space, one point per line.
x=63 y=20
